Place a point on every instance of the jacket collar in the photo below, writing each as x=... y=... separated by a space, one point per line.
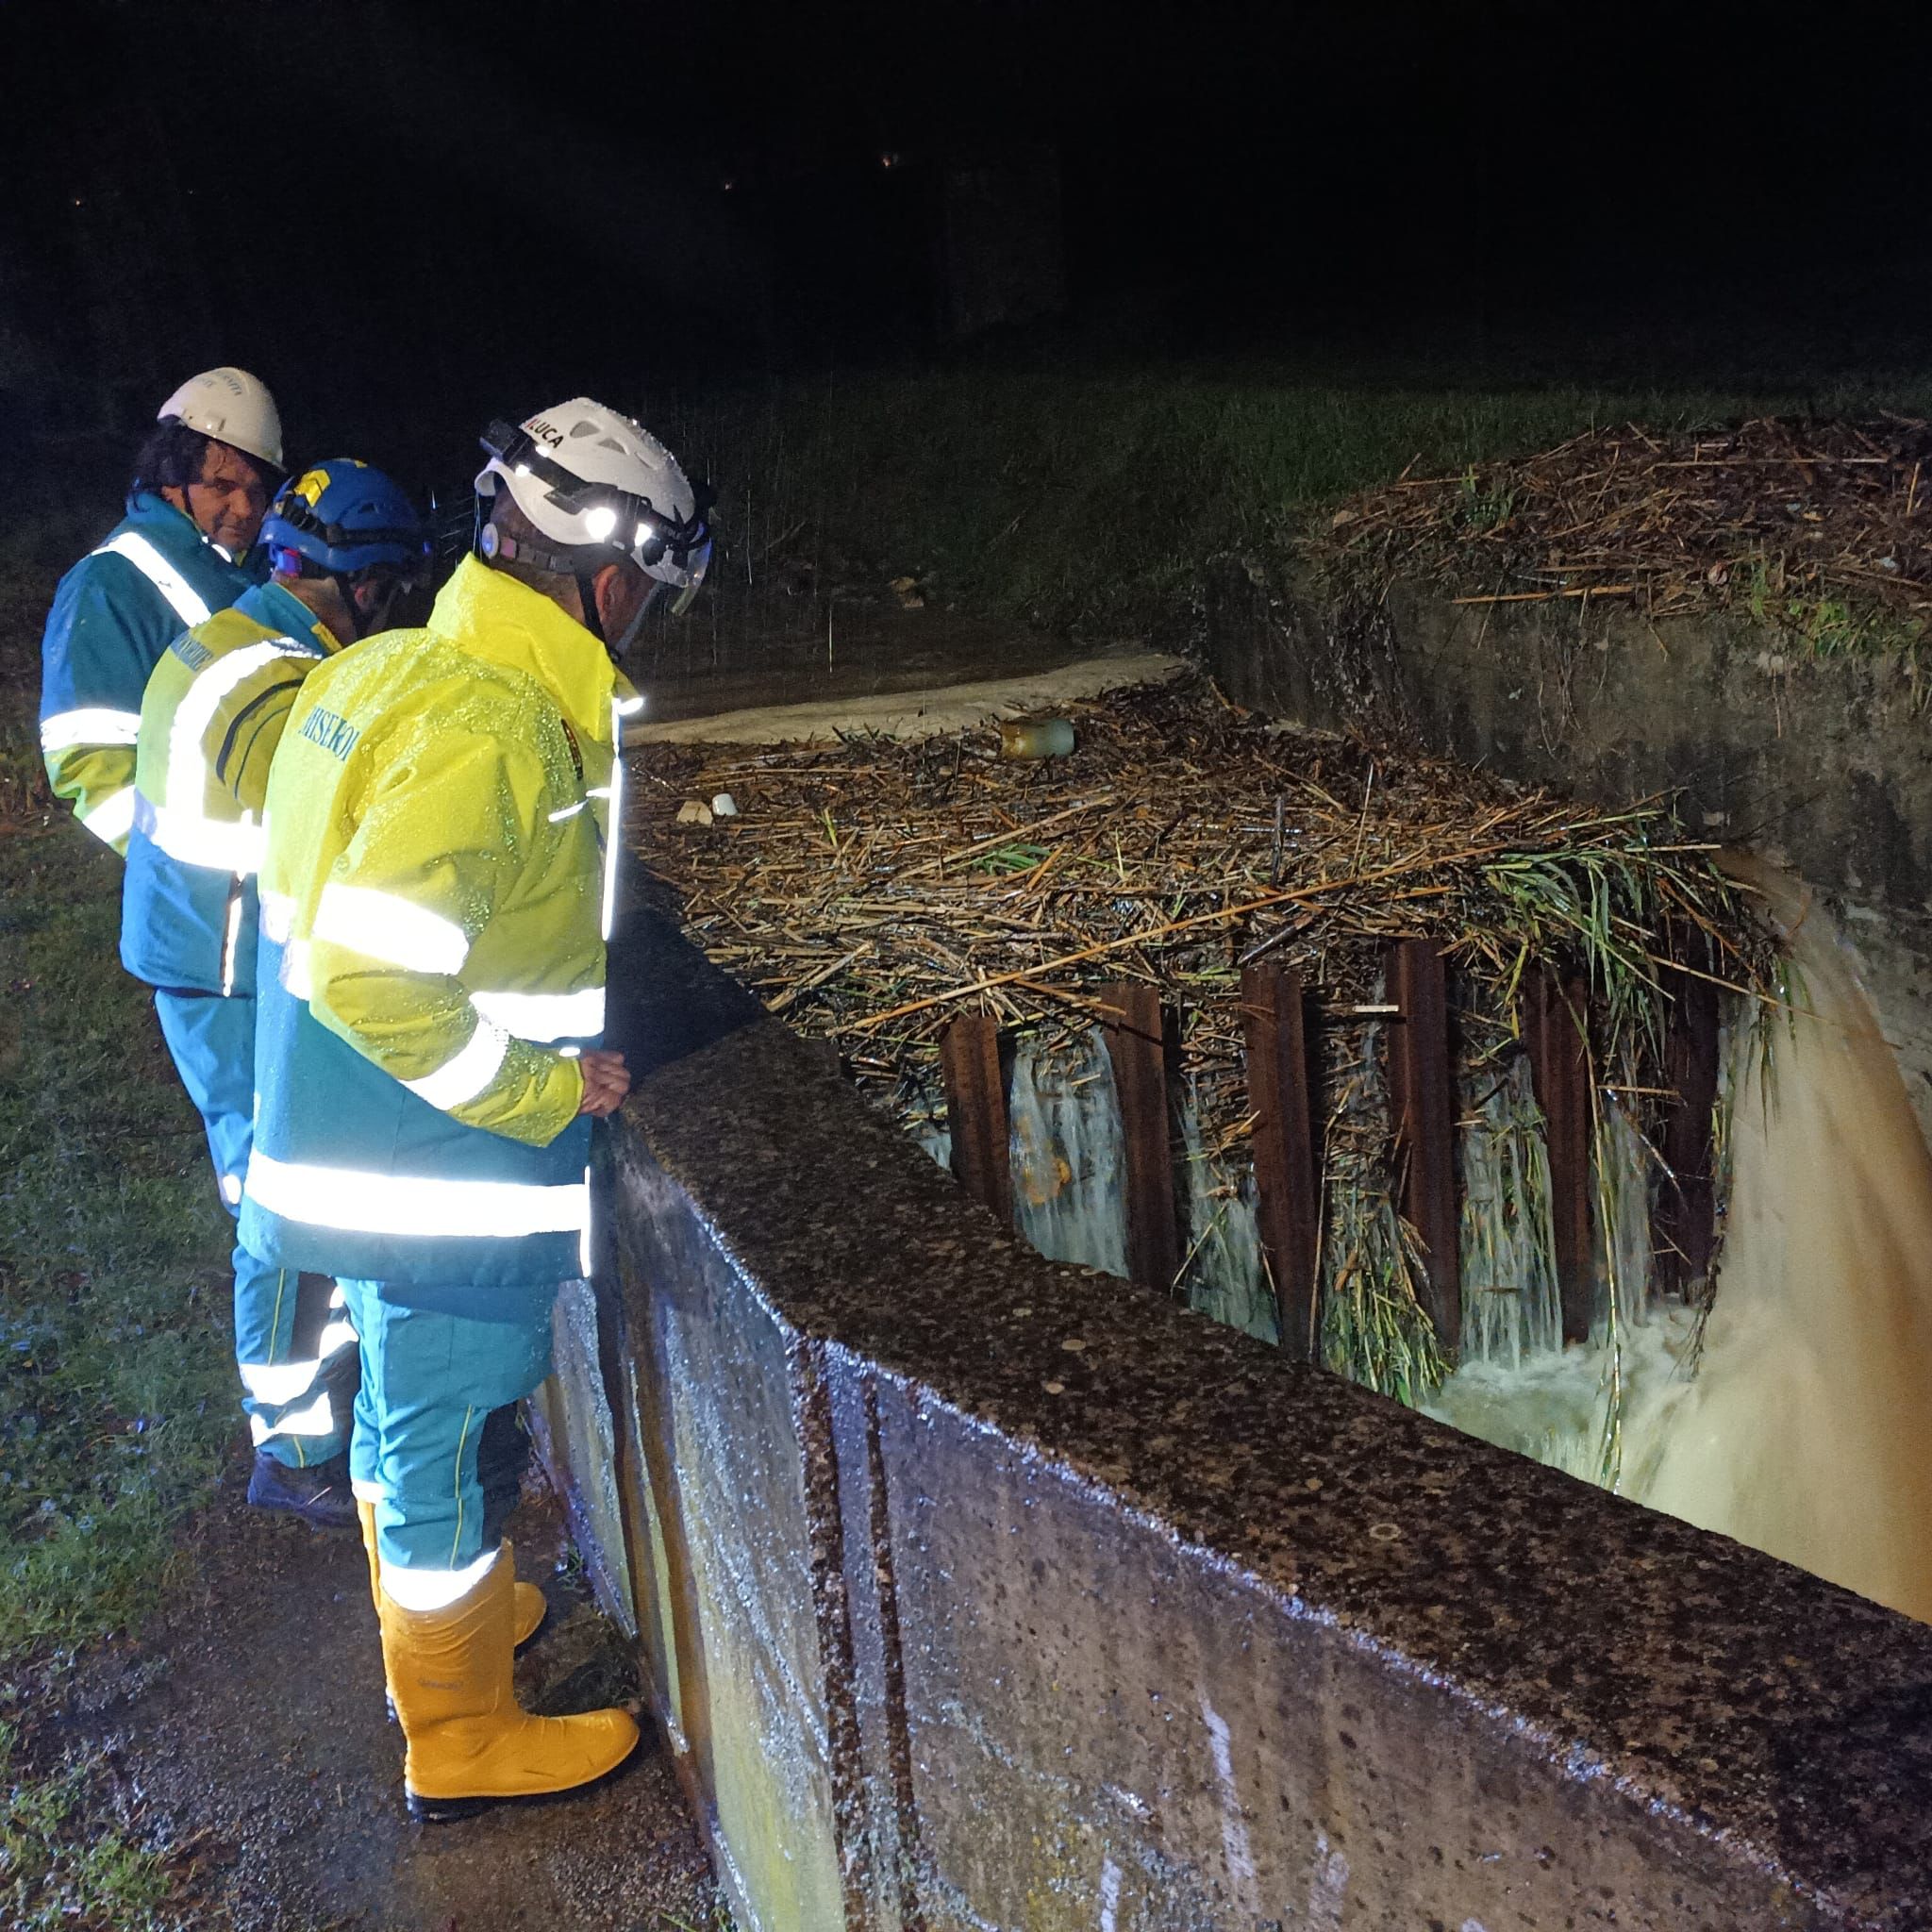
x=174 y=530
x=280 y=609
x=492 y=616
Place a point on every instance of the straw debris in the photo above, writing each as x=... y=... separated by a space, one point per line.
x=1820 y=530
x=870 y=890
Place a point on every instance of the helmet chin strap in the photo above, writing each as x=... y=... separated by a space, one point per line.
x=594 y=621
x=587 y=596
x=623 y=647
x=345 y=590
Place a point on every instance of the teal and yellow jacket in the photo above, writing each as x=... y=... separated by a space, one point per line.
x=210 y=718
x=114 y=613
x=436 y=889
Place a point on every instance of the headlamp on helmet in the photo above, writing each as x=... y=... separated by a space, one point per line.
x=597 y=486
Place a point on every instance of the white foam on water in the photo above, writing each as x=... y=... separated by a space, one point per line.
x=1803 y=1427
x=1064 y=1131
x=1806 y=1431
x=1223 y=1274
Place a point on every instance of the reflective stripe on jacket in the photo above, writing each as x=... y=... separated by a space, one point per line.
x=114 y=613
x=432 y=913
x=210 y=717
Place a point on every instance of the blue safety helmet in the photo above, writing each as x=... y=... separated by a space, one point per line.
x=344 y=520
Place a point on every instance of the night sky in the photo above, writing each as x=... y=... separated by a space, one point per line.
x=402 y=212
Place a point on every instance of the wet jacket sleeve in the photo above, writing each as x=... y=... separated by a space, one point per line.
x=448 y=830
x=247 y=726
x=103 y=635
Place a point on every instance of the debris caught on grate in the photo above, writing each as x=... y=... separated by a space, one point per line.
x=872 y=891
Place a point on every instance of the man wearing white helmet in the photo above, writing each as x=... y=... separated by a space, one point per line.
x=202 y=484
x=443 y=820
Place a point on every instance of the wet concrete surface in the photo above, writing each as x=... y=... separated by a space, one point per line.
x=737 y=652
x=249 y=1720
x=1019 y=1597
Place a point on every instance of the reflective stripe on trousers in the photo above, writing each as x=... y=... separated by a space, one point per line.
x=291 y=1341
x=429 y=1383
x=295 y=1351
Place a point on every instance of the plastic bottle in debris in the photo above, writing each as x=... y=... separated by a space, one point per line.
x=1036 y=738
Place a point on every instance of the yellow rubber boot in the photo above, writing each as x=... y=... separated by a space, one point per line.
x=468 y=1740
x=531 y=1607
x=366 y=1511
x=527 y=1617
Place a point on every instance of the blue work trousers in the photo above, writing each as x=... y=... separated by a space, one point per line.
x=435 y=1422
x=293 y=1346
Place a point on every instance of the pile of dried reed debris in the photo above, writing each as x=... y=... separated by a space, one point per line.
x=871 y=890
x=1822 y=529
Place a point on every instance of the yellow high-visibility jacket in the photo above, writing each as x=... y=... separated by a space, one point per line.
x=211 y=716
x=436 y=888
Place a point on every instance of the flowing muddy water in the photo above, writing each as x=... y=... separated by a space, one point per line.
x=1802 y=1425
x=1803 y=1428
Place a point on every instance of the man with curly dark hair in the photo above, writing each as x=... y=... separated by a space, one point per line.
x=202 y=484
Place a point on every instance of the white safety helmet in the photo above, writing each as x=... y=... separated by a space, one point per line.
x=232 y=406
x=599 y=486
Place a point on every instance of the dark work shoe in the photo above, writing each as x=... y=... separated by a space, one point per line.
x=320 y=1496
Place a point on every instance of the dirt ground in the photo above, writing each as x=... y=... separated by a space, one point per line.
x=248 y=1722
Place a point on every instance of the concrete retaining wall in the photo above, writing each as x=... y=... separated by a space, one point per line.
x=979 y=1592
x=1823 y=764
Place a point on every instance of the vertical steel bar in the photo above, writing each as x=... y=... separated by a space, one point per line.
x=1287 y=1168
x=1421 y=1090
x=976 y=1111
x=1554 y=1016
x=1686 y=1203
x=1137 y=1045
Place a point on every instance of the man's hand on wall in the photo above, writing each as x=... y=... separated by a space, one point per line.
x=607 y=1081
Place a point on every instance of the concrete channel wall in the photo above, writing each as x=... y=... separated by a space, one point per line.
x=1824 y=764
x=974 y=1591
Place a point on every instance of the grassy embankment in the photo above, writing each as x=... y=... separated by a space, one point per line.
x=1088 y=501
x=117 y=1407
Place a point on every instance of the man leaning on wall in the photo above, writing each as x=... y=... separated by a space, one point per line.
x=436 y=891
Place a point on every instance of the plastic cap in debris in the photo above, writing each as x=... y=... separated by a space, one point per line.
x=1034 y=738
x=723 y=806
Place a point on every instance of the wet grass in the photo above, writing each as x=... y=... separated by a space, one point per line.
x=116 y=1400
x=66 y=1863
x=116 y=1397
x=117 y=1406
x=1089 y=497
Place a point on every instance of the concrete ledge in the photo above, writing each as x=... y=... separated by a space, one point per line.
x=982 y=1591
